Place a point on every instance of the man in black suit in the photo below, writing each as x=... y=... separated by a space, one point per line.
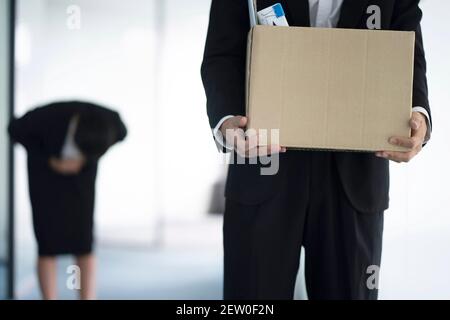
x=332 y=203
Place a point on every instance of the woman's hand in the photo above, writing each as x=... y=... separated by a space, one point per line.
x=66 y=167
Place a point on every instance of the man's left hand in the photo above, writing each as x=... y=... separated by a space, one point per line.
x=419 y=128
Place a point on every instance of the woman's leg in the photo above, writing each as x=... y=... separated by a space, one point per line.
x=46 y=268
x=87 y=266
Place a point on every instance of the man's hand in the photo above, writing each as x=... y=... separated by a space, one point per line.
x=66 y=167
x=419 y=131
x=233 y=131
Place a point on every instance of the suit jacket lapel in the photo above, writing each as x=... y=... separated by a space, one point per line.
x=351 y=13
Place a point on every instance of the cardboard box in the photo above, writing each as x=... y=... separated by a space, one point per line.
x=337 y=89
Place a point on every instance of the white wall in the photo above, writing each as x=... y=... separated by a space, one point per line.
x=191 y=164
x=417 y=227
x=111 y=60
x=147 y=66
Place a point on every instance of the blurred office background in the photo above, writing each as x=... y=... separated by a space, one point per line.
x=142 y=58
x=157 y=236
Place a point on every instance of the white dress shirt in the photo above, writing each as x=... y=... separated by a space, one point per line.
x=70 y=150
x=323 y=14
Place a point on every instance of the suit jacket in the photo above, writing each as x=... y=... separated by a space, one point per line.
x=364 y=177
x=42 y=131
x=56 y=198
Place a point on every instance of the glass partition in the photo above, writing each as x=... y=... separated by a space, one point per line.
x=5 y=151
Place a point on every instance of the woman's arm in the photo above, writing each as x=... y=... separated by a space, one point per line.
x=29 y=131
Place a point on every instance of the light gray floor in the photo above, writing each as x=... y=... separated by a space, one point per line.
x=154 y=274
x=189 y=266
x=3 y=281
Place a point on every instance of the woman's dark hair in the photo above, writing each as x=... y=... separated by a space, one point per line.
x=95 y=133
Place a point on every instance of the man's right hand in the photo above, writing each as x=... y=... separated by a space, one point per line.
x=234 y=129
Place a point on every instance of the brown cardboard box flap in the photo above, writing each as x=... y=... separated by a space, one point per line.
x=337 y=89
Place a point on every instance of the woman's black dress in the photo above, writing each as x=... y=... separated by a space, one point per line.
x=63 y=206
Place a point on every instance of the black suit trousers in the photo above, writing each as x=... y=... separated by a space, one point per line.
x=262 y=243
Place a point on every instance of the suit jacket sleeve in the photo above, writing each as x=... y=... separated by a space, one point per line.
x=223 y=67
x=120 y=127
x=407 y=17
x=29 y=131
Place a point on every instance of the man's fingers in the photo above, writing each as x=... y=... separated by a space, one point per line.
x=243 y=122
x=415 y=142
x=251 y=150
x=238 y=122
x=233 y=124
x=408 y=143
x=398 y=157
x=418 y=126
x=246 y=145
x=416 y=121
x=240 y=143
x=248 y=148
x=269 y=150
